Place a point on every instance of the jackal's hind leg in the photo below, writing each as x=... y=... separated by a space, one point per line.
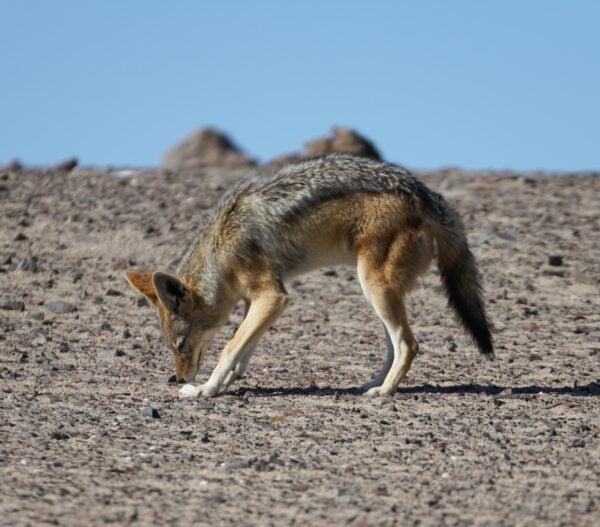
x=386 y=297
x=389 y=358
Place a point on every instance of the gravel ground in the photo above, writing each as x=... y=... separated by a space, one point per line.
x=464 y=441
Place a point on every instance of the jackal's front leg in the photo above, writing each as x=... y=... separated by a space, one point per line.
x=263 y=311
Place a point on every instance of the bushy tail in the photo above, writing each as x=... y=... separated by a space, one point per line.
x=460 y=276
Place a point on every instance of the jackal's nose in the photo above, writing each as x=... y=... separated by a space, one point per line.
x=173 y=379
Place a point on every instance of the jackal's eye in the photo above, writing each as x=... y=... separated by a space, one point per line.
x=180 y=343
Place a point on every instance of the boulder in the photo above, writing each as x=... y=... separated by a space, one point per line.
x=343 y=141
x=205 y=147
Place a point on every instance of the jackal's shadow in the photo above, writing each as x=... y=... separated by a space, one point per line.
x=499 y=392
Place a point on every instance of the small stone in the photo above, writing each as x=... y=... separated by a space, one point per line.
x=30 y=263
x=142 y=302
x=555 y=260
x=205 y=438
x=522 y=339
x=105 y=326
x=521 y=300
x=119 y=353
x=553 y=272
x=12 y=305
x=59 y=307
x=77 y=276
x=119 y=264
x=578 y=443
x=113 y=292
x=24 y=357
x=150 y=412
x=36 y=315
x=19 y=237
x=382 y=490
x=171 y=379
x=126 y=334
x=59 y=435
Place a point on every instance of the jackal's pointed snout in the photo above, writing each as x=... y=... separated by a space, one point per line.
x=174 y=379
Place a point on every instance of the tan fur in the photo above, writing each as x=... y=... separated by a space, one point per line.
x=389 y=237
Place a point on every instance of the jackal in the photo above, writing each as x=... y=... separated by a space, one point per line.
x=337 y=209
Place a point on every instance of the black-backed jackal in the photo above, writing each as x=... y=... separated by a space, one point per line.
x=333 y=210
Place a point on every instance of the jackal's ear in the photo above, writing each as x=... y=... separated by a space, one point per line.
x=143 y=283
x=172 y=294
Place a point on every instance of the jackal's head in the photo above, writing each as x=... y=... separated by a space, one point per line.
x=188 y=324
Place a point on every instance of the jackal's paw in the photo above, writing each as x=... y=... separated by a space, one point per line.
x=367 y=386
x=189 y=391
x=377 y=391
x=209 y=390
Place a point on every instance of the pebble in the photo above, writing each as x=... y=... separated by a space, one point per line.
x=522 y=339
x=29 y=263
x=555 y=260
x=150 y=412
x=120 y=264
x=113 y=292
x=142 y=302
x=60 y=307
x=19 y=237
x=13 y=305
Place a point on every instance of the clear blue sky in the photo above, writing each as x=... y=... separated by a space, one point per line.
x=504 y=84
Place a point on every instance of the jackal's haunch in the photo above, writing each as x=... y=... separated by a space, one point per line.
x=332 y=210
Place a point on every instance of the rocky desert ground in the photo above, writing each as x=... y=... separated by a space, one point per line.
x=92 y=433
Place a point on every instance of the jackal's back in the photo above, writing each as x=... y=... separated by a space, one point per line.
x=304 y=185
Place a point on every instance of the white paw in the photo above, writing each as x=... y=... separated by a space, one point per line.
x=367 y=386
x=377 y=391
x=209 y=390
x=189 y=390
x=373 y=392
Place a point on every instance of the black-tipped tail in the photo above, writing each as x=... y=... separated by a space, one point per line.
x=461 y=279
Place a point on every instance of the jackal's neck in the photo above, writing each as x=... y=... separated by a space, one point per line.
x=198 y=270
